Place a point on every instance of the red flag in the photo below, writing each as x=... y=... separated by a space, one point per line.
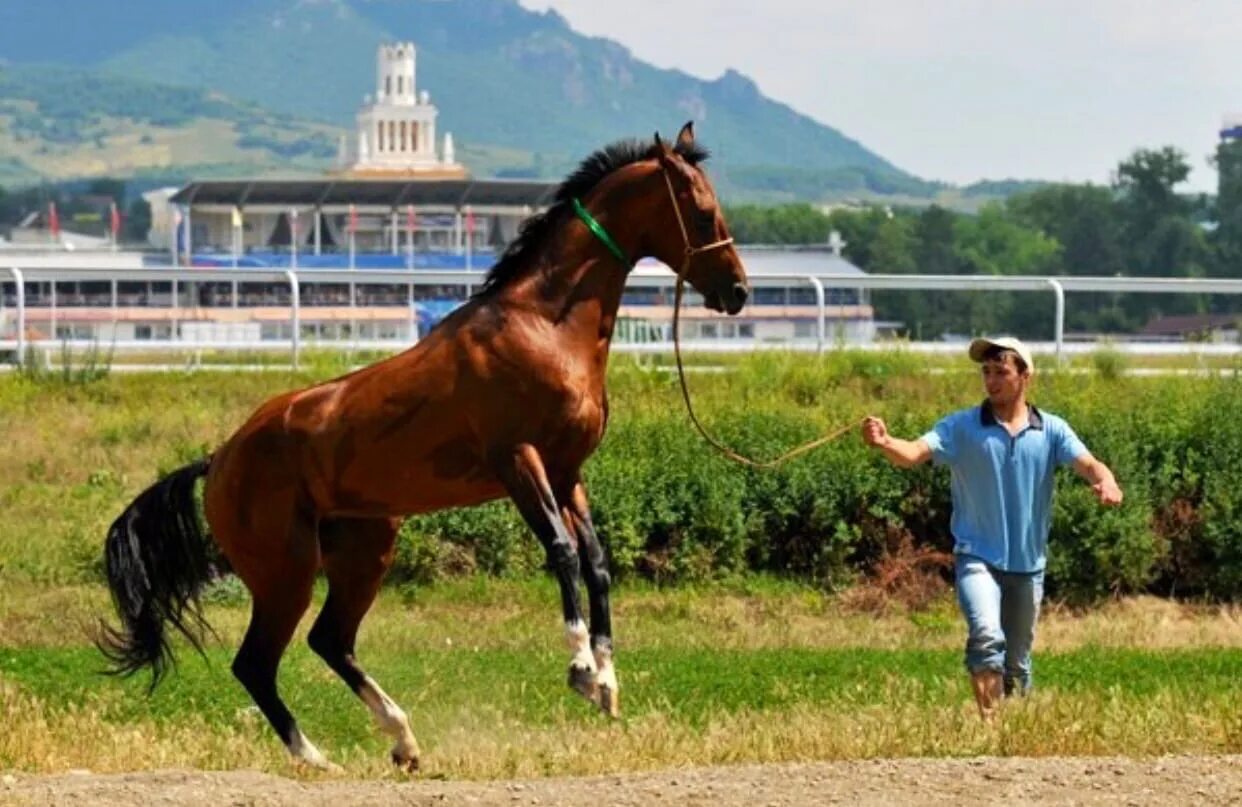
x=411 y=220
x=353 y=219
x=114 y=221
x=470 y=220
x=53 y=220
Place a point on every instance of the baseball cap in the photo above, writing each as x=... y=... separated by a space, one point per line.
x=980 y=346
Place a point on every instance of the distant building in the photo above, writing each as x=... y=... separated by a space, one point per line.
x=1231 y=128
x=1194 y=327
x=396 y=133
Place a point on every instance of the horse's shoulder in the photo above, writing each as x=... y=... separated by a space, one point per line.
x=309 y=409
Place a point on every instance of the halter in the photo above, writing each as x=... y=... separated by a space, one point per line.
x=691 y=251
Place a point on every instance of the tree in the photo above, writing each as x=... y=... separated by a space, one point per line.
x=107 y=186
x=781 y=224
x=1086 y=221
x=1083 y=219
x=934 y=231
x=1160 y=237
x=994 y=243
x=1227 y=239
x=1147 y=181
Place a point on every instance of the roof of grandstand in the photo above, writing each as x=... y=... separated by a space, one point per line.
x=385 y=193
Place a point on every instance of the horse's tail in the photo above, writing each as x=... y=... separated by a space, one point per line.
x=158 y=558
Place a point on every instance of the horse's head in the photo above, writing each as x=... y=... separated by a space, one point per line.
x=696 y=242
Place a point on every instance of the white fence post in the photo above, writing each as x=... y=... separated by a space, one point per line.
x=295 y=316
x=20 y=282
x=821 y=325
x=1058 y=328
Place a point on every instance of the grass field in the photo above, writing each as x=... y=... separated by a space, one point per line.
x=747 y=668
x=753 y=670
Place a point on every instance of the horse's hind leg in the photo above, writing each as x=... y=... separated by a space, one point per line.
x=356 y=555
x=280 y=574
x=523 y=474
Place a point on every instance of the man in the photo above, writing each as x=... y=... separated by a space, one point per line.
x=1002 y=455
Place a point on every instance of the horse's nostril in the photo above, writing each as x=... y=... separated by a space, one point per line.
x=740 y=293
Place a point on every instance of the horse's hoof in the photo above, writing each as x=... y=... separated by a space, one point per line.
x=582 y=681
x=404 y=763
x=609 y=701
x=306 y=756
x=319 y=765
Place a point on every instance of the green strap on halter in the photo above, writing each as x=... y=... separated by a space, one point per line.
x=602 y=234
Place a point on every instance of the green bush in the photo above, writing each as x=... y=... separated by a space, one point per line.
x=669 y=507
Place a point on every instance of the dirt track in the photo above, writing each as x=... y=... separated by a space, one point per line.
x=1165 y=780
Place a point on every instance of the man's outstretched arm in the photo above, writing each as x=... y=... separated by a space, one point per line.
x=1100 y=478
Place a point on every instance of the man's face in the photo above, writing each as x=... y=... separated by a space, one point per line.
x=1003 y=381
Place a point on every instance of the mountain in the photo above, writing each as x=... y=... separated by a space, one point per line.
x=522 y=92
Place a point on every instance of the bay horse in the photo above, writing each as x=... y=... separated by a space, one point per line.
x=504 y=397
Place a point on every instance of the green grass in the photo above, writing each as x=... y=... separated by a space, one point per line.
x=688 y=686
x=752 y=669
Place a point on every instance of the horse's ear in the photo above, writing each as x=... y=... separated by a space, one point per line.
x=686 y=136
x=660 y=143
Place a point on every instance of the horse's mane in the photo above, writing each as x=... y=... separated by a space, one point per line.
x=589 y=173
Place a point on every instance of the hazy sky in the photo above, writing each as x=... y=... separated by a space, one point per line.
x=960 y=90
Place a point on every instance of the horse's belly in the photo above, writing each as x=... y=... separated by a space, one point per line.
x=415 y=480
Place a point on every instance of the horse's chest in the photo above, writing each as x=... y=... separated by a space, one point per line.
x=583 y=420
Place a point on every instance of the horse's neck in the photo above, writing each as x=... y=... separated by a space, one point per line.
x=592 y=278
x=580 y=283
x=577 y=283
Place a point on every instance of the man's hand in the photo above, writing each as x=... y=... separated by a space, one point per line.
x=874 y=432
x=902 y=453
x=1108 y=492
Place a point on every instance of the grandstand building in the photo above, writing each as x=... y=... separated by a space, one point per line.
x=396 y=200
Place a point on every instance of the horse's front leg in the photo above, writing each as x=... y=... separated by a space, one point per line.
x=523 y=474
x=577 y=516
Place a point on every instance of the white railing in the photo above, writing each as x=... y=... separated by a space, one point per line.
x=646 y=276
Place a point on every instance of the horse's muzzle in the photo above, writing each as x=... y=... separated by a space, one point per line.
x=736 y=298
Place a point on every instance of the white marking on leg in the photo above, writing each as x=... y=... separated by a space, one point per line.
x=392 y=720
x=607 y=676
x=580 y=645
x=304 y=750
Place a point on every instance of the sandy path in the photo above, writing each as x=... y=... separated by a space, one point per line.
x=1099 y=780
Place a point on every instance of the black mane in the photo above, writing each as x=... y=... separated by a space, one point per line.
x=536 y=229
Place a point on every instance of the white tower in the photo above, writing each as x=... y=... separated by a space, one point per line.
x=394 y=74
x=397 y=133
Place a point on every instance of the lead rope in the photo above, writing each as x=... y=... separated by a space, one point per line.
x=728 y=452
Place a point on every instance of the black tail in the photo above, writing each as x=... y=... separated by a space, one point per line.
x=158 y=558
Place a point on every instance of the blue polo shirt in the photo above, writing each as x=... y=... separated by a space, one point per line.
x=1002 y=485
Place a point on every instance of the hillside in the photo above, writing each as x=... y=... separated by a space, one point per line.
x=521 y=91
x=63 y=123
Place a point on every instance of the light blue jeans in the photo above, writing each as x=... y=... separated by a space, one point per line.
x=1000 y=610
